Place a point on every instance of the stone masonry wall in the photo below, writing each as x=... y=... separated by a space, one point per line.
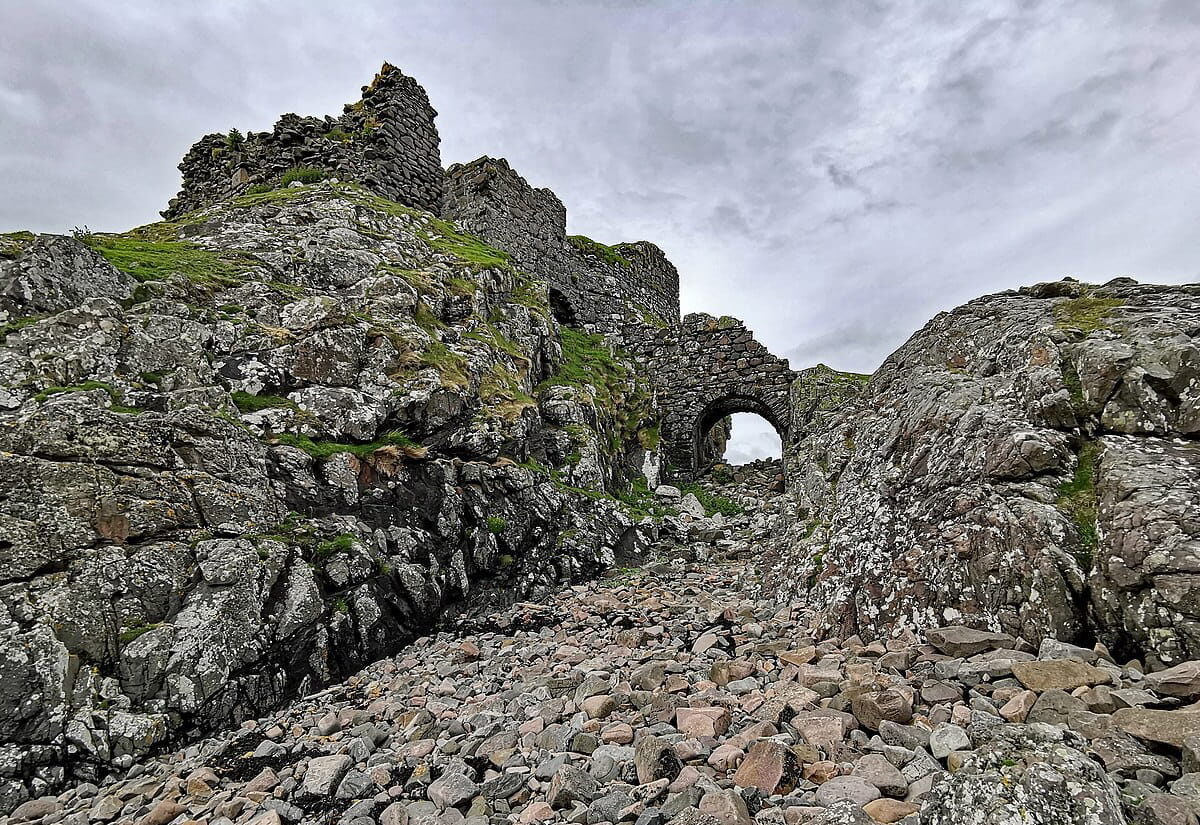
x=704 y=370
x=486 y=197
x=386 y=141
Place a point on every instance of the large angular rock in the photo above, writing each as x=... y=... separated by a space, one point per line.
x=1182 y=680
x=769 y=766
x=1025 y=773
x=323 y=774
x=964 y=493
x=962 y=641
x=1171 y=727
x=1059 y=674
x=876 y=706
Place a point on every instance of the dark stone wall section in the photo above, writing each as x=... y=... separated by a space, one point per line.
x=489 y=199
x=386 y=141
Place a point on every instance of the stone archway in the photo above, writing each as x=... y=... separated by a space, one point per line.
x=705 y=369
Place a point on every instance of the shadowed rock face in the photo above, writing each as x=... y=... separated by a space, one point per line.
x=1025 y=463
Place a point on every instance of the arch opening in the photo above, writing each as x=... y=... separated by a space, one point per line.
x=561 y=309
x=714 y=431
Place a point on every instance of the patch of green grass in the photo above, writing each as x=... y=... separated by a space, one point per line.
x=294 y=530
x=341 y=606
x=338 y=135
x=501 y=391
x=1077 y=498
x=587 y=361
x=1086 y=313
x=639 y=499
x=461 y=286
x=258 y=189
x=114 y=395
x=818 y=562
x=325 y=449
x=246 y=402
x=649 y=437
x=302 y=174
x=711 y=502
x=18 y=324
x=339 y=544
x=451 y=366
x=1074 y=385
x=496 y=525
x=145 y=260
x=603 y=251
x=131 y=633
x=650 y=319
x=13 y=244
x=470 y=250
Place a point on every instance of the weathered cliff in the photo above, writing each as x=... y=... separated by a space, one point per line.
x=1025 y=463
x=252 y=449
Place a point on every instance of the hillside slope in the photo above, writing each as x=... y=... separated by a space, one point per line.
x=251 y=449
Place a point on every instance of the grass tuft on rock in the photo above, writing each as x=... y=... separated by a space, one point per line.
x=13 y=244
x=1077 y=498
x=157 y=260
x=1087 y=313
x=711 y=502
x=603 y=251
x=325 y=449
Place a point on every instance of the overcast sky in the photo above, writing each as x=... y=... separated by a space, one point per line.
x=834 y=173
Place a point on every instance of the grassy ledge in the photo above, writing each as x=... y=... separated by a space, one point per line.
x=603 y=251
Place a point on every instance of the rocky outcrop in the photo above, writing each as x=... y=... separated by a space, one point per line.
x=1024 y=464
x=251 y=450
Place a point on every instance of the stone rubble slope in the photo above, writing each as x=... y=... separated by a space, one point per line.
x=1026 y=463
x=666 y=695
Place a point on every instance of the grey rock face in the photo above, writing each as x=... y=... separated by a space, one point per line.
x=1021 y=466
x=221 y=488
x=1025 y=773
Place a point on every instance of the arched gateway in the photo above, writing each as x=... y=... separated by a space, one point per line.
x=708 y=368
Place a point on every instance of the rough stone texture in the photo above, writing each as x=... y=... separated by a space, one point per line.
x=386 y=141
x=956 y=486
x=40 y=276
x=171 y=561
x=1035 y=774
x=705 y=370
x=633 y=283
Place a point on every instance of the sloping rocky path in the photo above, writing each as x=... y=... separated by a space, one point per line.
x=664 y=695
